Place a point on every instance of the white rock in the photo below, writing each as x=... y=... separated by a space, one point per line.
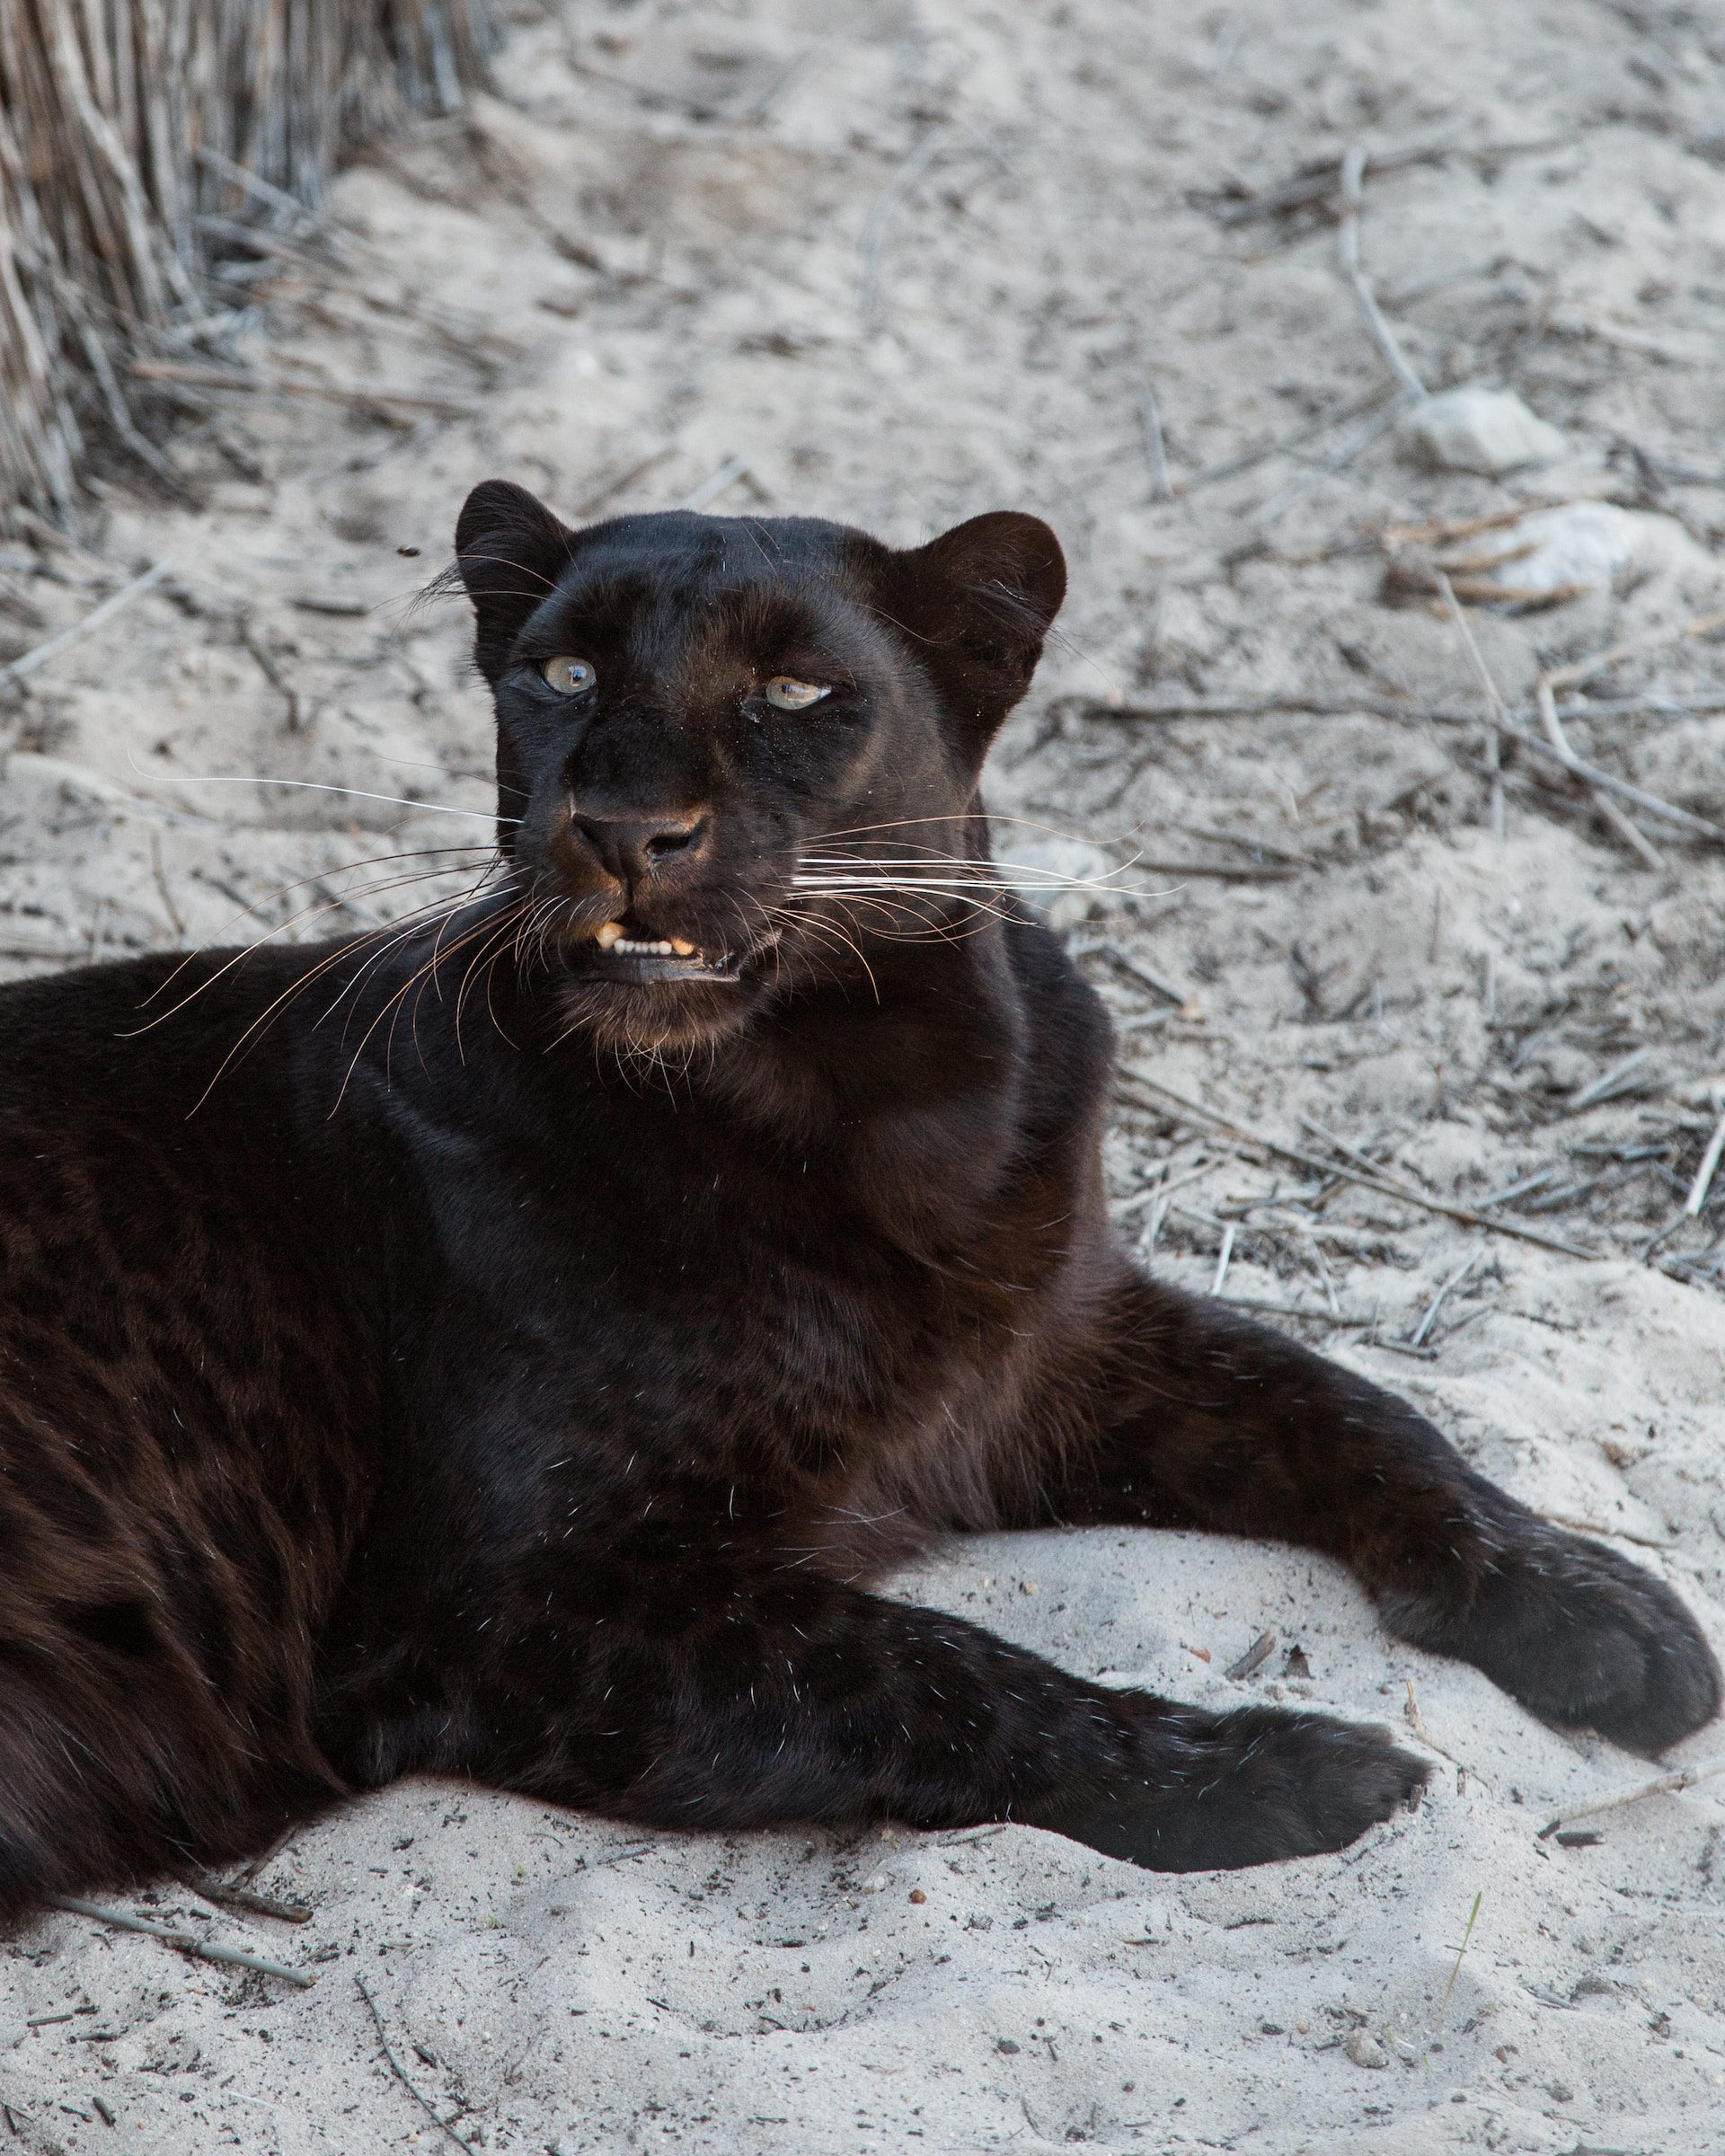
x=1475 y=429
x=1592 y=544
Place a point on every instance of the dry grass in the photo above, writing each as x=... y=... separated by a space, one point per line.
x=125 y=125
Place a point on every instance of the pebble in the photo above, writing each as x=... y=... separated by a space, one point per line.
x=1364 y=2050
x=1591 y=545
x=1475 y=429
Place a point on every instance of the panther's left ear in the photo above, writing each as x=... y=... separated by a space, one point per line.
x=509 y=553
x=978 y=602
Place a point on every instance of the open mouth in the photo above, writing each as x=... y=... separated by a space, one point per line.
x=622 y=950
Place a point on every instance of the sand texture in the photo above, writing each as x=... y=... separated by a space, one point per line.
x=899 y=263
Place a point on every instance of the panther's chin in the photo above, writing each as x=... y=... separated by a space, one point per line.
x=639 y=1005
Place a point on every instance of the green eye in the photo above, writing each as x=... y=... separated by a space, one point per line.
x=569 y=676
x=790 y=695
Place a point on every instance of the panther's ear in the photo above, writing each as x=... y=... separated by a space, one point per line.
x=979 y=601
x=509 y=553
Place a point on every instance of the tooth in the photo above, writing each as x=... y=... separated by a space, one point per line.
x=683 y=950
x=611 y=933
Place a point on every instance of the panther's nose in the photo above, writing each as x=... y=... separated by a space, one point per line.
x=633 y=848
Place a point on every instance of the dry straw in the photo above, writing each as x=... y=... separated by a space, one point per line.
x=124 y=124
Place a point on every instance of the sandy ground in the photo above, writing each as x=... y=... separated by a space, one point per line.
x=931 y=261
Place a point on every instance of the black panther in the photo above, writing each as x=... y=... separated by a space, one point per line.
x=510 y=1346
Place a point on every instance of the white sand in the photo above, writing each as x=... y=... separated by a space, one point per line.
x=552 y=1984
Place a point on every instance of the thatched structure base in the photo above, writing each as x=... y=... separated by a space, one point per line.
x=123 y=124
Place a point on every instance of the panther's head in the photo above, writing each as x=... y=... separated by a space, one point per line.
x=735 y=753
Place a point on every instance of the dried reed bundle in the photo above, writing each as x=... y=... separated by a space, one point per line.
x=125 y=122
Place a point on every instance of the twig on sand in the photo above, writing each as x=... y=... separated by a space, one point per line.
x=903 y=183
x=610 y=485
x=1385 y=1186
x=1708 y=1170
x=1625 y=1077
x=21 y=668
x=1662 y=1785
x=711 y=488
x=1417 y=1339
x=1683 y=819
x=231 y=1894
x=1318 y=182
x=1261 y=1648
x=1500 y=717
x=1655 y=639
x=1230 y=467
x=1315 y=183
x=384 y=402
x=1353 y=170
x=249 y=1872
x=1314 y=1129
x=1375 y=707
x=400 y=2072
x=184 y=1942
x=1625 y=826
x=1246 y=707
x=1155 y=449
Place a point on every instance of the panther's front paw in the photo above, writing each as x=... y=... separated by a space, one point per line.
x=1580 y=1636
x=1251 y=1786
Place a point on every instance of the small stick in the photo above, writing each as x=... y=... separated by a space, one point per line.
x=248 y=1872
x=175 y=918
x=1705 y=1173
x=1662 y=1785
x=232 y=1895
x=1231 y=467
x=1316 y=181
x=1261 y=1648
x=1353 y=171
x=1619 y=1078
x=1351 y=1153
x=1323 y=707
x=1214 y=872
x=20 y=668
x=1135 y=970
x=1666 y=810
x=278 y=680
x=1583 y=669
x=1262 y=707
x=1155 y=447
x=1629 y=831
x=1248 y=840
x=1298 y=1309
x=1225 y=1253
x=711 y=488
x=1417 y=1338
x=903 y=182
x=1384 y=1185
x=1483 y=674
x=297 y=385
x=202 y=1950
x=400 y=2072
x=608 y=490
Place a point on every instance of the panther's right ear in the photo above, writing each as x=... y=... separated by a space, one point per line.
x=509 y=553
